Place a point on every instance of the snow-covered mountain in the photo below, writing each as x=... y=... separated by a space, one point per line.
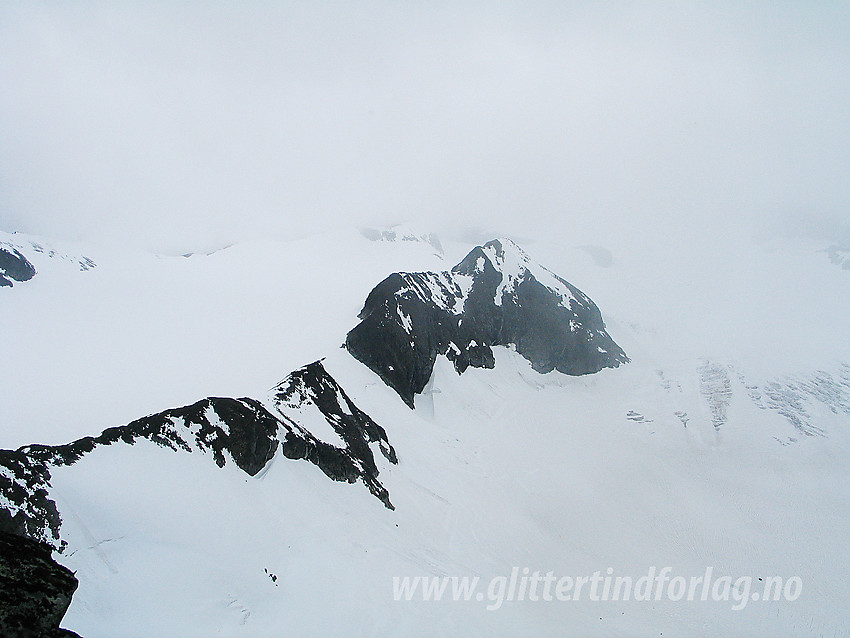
x=496 y=296
x=241 y=431
x=534 y=441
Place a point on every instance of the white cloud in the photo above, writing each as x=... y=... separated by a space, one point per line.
x=178 y=125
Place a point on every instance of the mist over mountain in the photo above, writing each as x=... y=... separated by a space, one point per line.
x=415 y=320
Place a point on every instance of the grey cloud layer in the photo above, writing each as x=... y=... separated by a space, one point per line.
x=187 y=124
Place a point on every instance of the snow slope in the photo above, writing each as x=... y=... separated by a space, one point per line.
x=724 y=442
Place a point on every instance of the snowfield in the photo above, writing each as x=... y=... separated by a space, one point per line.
x=724 y=443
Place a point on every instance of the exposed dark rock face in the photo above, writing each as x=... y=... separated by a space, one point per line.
x=496 y=296
x=241 y=427
x=14 y=267
x=311 y=387
x=241 y=430
x=35 y=591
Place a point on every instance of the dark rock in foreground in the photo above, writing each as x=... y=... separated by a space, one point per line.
x=35 y=591
x=496 y=296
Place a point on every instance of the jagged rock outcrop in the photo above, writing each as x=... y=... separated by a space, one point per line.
x=312 y=389
x=35 y=591
x=496 y=296
x=243 y=431
x=239 y=429
x=14 y=266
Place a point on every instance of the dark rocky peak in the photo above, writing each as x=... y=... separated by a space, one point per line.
x=311 y=393
x=14 y=266
x=496 y=296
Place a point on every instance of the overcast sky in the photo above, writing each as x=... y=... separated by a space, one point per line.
x=184 y=124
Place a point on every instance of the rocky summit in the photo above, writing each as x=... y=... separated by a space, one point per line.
x=496 y=296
